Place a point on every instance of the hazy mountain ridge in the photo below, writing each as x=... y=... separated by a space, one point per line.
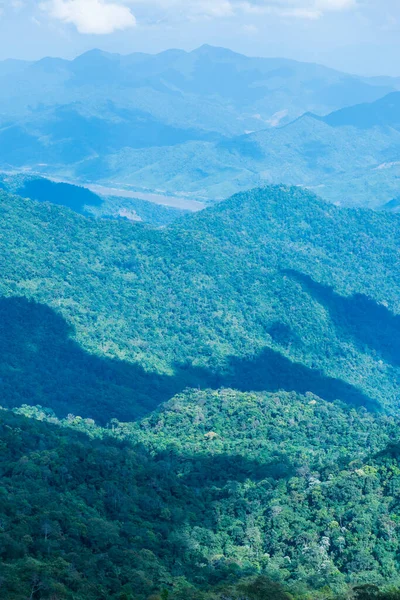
x=253 y=86
x=206 y=123
x=343 y=164
x=384 y=112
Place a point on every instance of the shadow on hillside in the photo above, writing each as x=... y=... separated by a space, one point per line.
x=41 y=364
x=371 y=326
x=273 y=372
x=73 y=196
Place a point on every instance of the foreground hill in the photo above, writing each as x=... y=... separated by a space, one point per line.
x=199 y=499
x=273 y=289
x=219 y=400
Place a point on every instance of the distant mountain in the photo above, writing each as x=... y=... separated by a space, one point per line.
x=212 y=89
x=344 y=164
x=392 y=205
x=73 y=133
x=12 y=66
x=206 y=123
x=385 y=112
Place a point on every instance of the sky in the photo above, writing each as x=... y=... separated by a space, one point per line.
x=357 y=36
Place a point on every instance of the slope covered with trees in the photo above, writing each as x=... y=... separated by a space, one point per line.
x=197 y=406
x=203 y=496
x=273 y=288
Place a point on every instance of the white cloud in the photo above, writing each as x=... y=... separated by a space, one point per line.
x=210 y=8
x=106 y=16
x=250 y=29
x=91 y=16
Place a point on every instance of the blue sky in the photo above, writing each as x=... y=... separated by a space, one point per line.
x=360 y=36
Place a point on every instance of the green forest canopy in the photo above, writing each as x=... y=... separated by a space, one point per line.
x=217 y=400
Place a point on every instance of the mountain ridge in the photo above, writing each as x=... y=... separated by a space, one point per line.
x=245 y=263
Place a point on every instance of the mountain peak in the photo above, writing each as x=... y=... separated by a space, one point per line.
x=49 y=64
x=94 y=55
x=216 y=52
x=384 y=112
x=172 y=53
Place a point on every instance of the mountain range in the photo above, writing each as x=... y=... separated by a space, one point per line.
x=206 y=124
x=350 y=157
x=211 y=89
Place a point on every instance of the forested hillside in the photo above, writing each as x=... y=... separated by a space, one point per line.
x=270 y=278
x=198 y=406
x=200 y=498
